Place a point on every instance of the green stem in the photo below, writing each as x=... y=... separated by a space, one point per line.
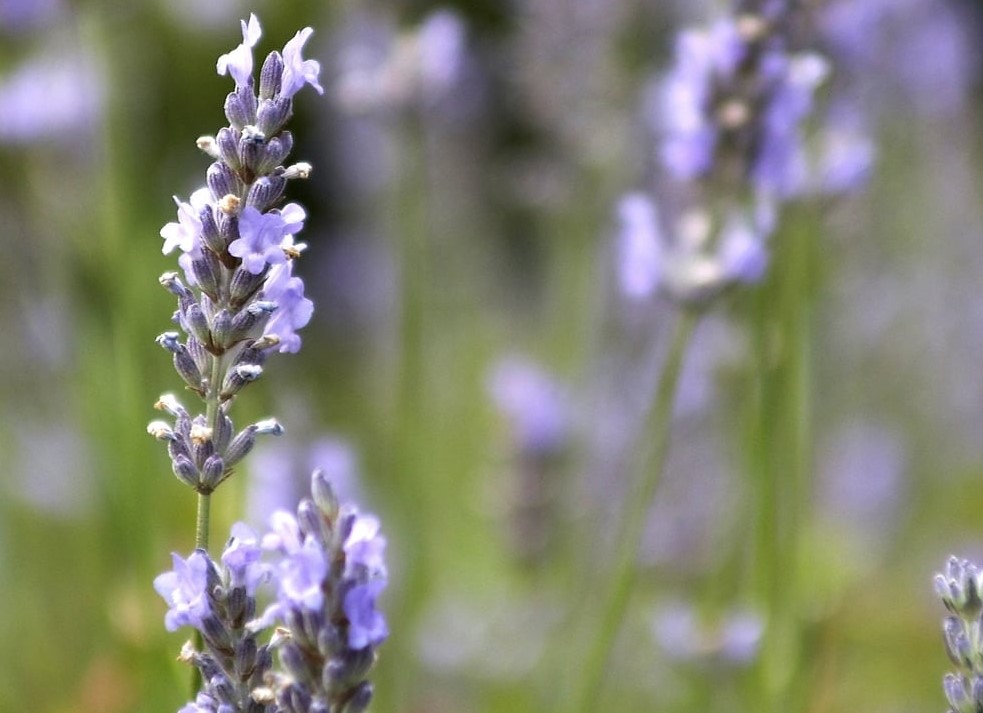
x=614 y=599
x=201 y=522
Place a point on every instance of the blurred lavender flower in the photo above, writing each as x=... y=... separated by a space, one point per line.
x=52 y=97
x=730 y=118
x=919 y=54
x=534 y=404
x=391 y=72
x=733 y=640
x=330 y=575
x=243 y=302
x=218 y=601
x=21 y=15
x=537 y=410
x=275 y=470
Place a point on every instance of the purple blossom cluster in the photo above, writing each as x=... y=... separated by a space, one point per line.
x=730 y=115
x=329 y=571
x=239 y=300
x=219 y=601
x=960 y=588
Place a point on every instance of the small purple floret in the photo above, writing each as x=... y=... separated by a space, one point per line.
x=185 y=590
x=298 y=71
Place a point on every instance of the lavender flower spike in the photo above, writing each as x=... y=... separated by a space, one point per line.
x=330 y=576
x=242 y=300
x=219 y=600
x=959 y=588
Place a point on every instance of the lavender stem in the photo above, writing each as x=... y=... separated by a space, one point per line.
x=614 y=600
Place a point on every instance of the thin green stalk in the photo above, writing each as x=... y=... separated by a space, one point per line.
x=203 y=515
x=614 y=598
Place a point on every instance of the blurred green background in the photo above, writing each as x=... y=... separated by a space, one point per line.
x=447 y=232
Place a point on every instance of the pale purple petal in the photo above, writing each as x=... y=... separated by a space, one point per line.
x=366 y=624
x=239 y=62
x=640 y=250
x=298 y=71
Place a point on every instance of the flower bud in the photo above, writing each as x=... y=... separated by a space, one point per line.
x=273 y=114
x=238 y=377
x=266 y=191
x=324 y=495
x=223 y=181
x=211 y=472
x=185 y=471
x=244 y=285
x=227 y=142
x=270 y=76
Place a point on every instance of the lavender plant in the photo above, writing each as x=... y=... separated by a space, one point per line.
x=240 y=304
x=730 y=117
x=960 y=588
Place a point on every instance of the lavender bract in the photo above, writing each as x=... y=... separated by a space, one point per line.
x=239 y=300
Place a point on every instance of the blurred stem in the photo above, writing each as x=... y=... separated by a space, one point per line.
x=614 y=598
x=782 y=464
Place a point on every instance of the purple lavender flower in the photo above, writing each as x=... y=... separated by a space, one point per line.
x=186 y=233
x=300 y=575
x=293 y=309
x=442 y=38
x=237 y=255
x=533 y=402
x=261 y=236
x=365 y=548
x=691 y=131
x=185 y=590
x=239 y=62
x=640 y=251
x=330 y=576
x=241 y=558
x=779 y=166
x=298 y=71
x=366 y=625
x=49 y=98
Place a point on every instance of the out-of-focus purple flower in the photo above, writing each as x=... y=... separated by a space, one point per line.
x=53 y=97
x=442 y=47
x=293 y=309
x=365 y=548
x=185 y=590
x=742 y=251
x=686 y=106
x=185 y=233
x=239 y=62
x=21 y=15
x=734 y=639
x=640 y=251
x=241 y=558
x=366 y=624
x=261 y=236
x=298 y=71
x=285 y=533
x=301 y=575
x=779 y=165
x=533 y=403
